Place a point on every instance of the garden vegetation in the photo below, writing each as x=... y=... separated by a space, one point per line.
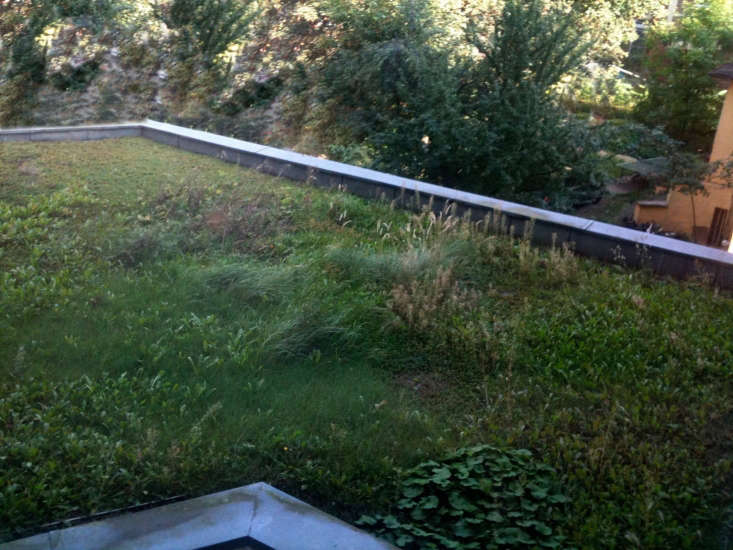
x=489 y=95
x=171 y=325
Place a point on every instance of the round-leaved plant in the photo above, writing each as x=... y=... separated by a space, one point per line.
x=478 y=497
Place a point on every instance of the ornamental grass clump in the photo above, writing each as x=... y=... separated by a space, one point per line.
x=423 y=304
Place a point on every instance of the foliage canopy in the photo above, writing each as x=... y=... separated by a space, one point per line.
x=205 y=27
x=680 y=94
x=475 y=112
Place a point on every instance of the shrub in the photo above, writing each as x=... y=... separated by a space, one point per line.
x=75 y=78
x=484 y=121
x=206 y=27
x=96 y=10
x=382 y=67
x=24 y=69
x=637 y=140
x=478 y=497
x=537 y=149
x=26 y=58
x=252 y=93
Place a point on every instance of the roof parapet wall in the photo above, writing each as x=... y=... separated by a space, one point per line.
x=606 y=242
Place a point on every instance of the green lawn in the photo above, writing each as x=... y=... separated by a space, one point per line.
x=173 y=325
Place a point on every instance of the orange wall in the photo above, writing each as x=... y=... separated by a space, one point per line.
x=723 y=144
x=679 y=211
x=677 y=216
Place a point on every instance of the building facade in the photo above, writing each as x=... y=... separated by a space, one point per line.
x=710 y=222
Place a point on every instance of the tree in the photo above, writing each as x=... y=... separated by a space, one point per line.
x=474 y=111
x=538 y=144
x=680 y=95
x=687 y=174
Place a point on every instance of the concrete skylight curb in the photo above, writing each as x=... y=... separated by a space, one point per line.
x=258 y=513
x=590 y=238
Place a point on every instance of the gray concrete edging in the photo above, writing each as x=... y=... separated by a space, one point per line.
x=72 y=133
x=589 y=238
x=257 y=511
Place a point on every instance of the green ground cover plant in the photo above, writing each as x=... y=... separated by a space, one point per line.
x=480 y=497
x=173 y=325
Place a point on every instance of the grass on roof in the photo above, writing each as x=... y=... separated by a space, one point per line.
x=173 y=325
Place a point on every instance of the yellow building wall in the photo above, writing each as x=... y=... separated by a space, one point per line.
x=723 y=144
x=677 y=215
x=644 y=213
x=679 y=209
